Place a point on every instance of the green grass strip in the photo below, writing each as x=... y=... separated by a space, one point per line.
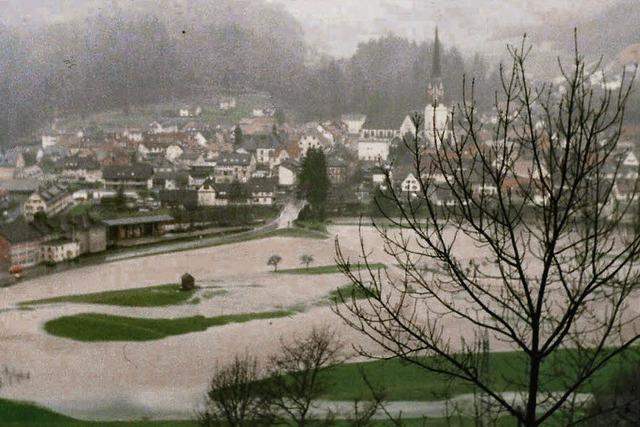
x=95 y=327
x=330 y=269
x=154 y=296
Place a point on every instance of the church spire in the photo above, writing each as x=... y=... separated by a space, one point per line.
x=436 y=71
x=436 y=88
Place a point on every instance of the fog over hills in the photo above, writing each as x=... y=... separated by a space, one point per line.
x=336 y=26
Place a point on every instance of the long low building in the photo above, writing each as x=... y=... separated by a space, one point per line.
x=121 y=230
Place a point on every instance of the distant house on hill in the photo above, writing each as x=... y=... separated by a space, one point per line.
x=228 y=103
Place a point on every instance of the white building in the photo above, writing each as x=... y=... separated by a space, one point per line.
x=50 y=140
x=373 y=150
x=286 y=175
x=60 y=250
x=208 y=195
x=312 y=140
x=354 y=122
x=436 y=123
x=410 y=184
x=51 y=201
x=407 y=127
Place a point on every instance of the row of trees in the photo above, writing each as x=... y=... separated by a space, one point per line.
x=275 y=260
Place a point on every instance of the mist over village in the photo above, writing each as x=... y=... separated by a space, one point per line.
x=353 y=213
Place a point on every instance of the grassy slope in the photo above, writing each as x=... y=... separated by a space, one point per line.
x=329 y=269
x=22 y=414
x=154 y=296
x=90 y=327
x=409 y=382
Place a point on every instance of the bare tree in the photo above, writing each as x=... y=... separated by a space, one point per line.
x=527 y=238
x=235 y=397
x=306 y=260
x=273 y=261
x=294 y=375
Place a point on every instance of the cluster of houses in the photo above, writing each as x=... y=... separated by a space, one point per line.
x=185 y=162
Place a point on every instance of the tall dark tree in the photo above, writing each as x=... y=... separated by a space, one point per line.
x=313 y=181
x=238 y=138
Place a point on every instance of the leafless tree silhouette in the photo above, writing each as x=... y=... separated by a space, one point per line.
x=522 y=229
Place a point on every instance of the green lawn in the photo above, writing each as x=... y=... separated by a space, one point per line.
x=154 y=296
x=402 y=381
x=330 y=269
x=91 y=327
x=347 y=293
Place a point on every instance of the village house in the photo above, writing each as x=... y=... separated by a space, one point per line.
x=189 y=111
x=208 y=195
x=232 y=167
x=163 y=126
x=137 y=175
x=373 y=150
x=337 y=170
x=313 y=139
x=11 y=160
x=81 y=168
x=90 y=234
x=262 y=192
x=33 y=172
x=410 y=184
x=354 y=123
x=59 y=250
x=227 y=104
x=20 y=243
x=257 y=126
x=49 y=200
x=151 y=150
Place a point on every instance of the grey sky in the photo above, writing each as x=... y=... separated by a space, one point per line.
x=336 y=26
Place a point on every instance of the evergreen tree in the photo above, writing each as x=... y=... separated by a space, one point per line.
x=238 y=137
x=313 y=182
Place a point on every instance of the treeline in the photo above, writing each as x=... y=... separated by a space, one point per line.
x=388 y=77
x=119 y=59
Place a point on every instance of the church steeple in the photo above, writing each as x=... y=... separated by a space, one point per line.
x=436 y=71
x=436 y=88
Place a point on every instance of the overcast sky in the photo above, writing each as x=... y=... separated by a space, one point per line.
x=336 y=26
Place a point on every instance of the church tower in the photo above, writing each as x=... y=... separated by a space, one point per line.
x=435 y=91
x=436 y=114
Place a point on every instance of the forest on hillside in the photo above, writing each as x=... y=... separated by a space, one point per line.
x=116 y=59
